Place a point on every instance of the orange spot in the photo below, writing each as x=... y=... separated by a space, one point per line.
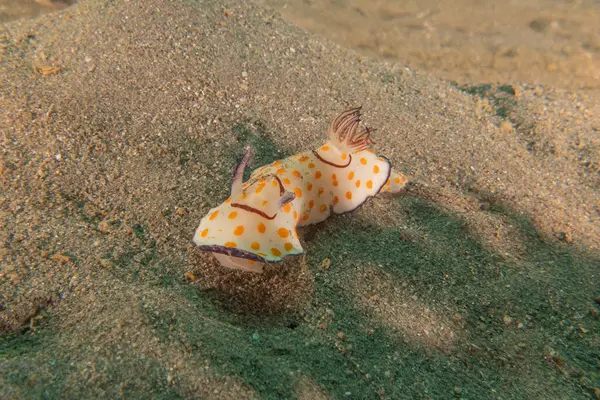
x=261 y=227
x=259 y=189
x=204 y=233
x=375 y=169
x=274 y=182
x=286 y=181
x=344 y=156
x=238 y=230
x=275 y=251
x=228 y=200
x=370 y=184
x=311 y=204
x=303 y=158
x=231 y=244
x=287 y=207
x=335 y=183
x=323 y=208
x=255 y=245
x=397 y=180
x=320 y=191
x=318 y=174
x=280 y=171
x=334 y=177
x=349 y=195
x=232 y=215
x=276 y=163
x=244 y=195
x=250 y=261
x=309 y=186
x=363 y=161
x=295 y=214
x=213 y=215
x=288 y=246
x=335 y=200
x=325 y=148
x=297 y=174
x=350 y=175
x=282 y=232
x=358 y=183
x=387 y=182
x=264 y=203
x=311 y=165
x=298 y=192
x=305 y=217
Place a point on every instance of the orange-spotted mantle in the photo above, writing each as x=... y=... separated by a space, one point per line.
x=257 y=223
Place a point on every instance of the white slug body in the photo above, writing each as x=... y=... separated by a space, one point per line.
x=257 y=223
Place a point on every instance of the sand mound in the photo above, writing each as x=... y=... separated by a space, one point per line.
x=121 y=123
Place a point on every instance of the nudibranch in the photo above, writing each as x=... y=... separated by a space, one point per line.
x=257 y=223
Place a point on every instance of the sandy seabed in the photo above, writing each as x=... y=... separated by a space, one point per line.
x=122 y=121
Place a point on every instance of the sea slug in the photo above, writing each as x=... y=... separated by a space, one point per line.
x=257 y=223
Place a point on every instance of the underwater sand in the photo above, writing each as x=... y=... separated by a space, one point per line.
x=122 y=121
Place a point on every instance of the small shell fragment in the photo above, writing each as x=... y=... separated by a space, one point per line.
x=46 y=70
